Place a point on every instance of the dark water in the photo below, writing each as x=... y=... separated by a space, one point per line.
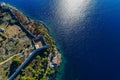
x=87 y=31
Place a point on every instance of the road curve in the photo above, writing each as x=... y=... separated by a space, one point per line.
x=34 y=53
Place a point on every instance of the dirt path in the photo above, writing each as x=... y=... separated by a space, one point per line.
x=8 y=59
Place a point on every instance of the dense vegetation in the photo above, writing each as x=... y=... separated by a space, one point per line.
x=38 y=69
x=15 y=42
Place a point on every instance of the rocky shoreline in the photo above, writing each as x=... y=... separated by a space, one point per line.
x=39 y=29
x=57 y=58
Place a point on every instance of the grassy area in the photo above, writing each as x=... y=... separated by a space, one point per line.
x=4 y=71
x=15 y=41
x=12 y=31
x=12 y=41
x=38 y=69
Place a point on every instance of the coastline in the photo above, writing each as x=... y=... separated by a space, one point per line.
x=62 y=66
x=45 y=26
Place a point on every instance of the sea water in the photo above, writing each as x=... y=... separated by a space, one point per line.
x=86 y=31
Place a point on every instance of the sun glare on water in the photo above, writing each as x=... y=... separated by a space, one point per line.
x=73 y=10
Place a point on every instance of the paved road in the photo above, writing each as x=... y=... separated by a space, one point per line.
x=34 y=53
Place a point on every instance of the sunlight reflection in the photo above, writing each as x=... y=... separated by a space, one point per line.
x=73 y=10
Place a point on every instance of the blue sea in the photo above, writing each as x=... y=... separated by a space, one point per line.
x=86 y=31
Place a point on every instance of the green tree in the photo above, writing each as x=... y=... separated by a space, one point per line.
x=23 y=78
x=44 y=78
x=45 y=53
x=41 y=66
x=38 y=58
x=16 y=60
x=50 y=71
x=45 y=60
x=30 y=68
x=29 y=78
x=23 y=72
x=41 y=71
x=26 y=78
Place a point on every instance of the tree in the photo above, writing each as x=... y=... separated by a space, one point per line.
x=48 y=50
x=44 y=78
x=30 y=68
x=23 y=72
x=45 y=60
x=45 y=53
x=23 y=78
x=16 y=61
x=38 y=58
x=41 y=71
x=41 y=66
x=50 y=71
x=26 y=78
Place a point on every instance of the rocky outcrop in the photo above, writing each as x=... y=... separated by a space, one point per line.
x=57 y=60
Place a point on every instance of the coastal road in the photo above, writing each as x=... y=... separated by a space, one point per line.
x=26 y=62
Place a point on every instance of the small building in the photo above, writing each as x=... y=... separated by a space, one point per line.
x=39 y=42
x=37 y=46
